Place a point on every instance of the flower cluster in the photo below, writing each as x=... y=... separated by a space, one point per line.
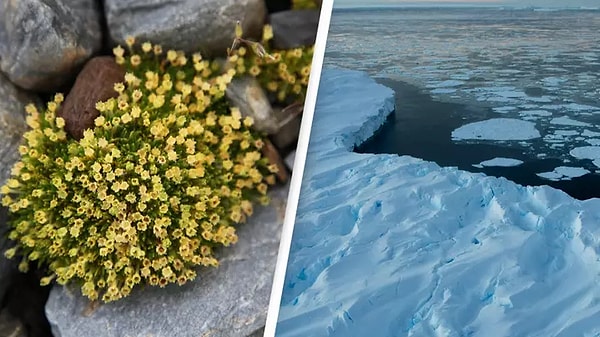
x=148 y=193
x=284 y=73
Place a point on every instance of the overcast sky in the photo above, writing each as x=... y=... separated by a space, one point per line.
x=519 y=3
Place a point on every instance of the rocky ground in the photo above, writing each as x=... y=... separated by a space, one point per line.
x=43 y=47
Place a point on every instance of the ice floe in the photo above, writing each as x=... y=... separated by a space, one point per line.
x=567 y=121
x=564 y=173
x=499 y=161
x=497 y=129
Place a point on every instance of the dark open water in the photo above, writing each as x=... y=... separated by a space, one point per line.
x=452 y=67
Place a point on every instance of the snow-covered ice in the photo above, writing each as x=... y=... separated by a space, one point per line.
x=388 y=245
x=500 y=161
x=497 y=129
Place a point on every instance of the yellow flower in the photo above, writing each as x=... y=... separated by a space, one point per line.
x=267 y=32
x=147 y=47
x=118 y=51
x=102 y=143
x=254 y=70
x=159 y=101
x=135 y=60
x=119 y=87
x=99 y=121
x=131 y=198
x=126 y=118
x=10 y=253
x=130 y=41
x=171 y=55
x=60 y=122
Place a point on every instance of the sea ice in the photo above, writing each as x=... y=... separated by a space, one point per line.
x=589 y=133
x=500 y=161
x=566 y=132
x=541 y=113
x=497 y=129
x=567 y=121
x=388 y=245
x=586 y=152
x=553 y=81
x=445 y=84
x=442 y=91
x=564 y=173
x=504 y=109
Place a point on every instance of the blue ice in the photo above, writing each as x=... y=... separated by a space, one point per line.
x=388 y=245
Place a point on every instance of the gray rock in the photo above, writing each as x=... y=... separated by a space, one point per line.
x=12 y=127
x=294 y=28
x=247 y=94
x=230 y=300
x=42 y=43
x=191 y=25
x=10 y=326
x=12 y=123
x=8 y=268
x=289 y=160
x=288 y=129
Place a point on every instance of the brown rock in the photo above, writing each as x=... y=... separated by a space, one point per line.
x=270 y=151
x=94 y=83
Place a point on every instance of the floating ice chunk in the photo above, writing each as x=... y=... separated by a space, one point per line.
x=543 y=99
x=529 y=106
x=553 y=81
x=586 y=152
x=508 y=92
x=446 y=84
x=588 y=133
x=567 y=121
x=593 y=141
x=566 y=132
x=442 y=91
x=550 y=176
x=463 y=77
x=564 y=173
x=536 y=113
x=500 y=161
x=504 y=109
x=578 y=107
x=571 y=107
x=497 y=129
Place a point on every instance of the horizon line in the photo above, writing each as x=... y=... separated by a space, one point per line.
x=461 y=5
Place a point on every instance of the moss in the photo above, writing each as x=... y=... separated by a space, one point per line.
x=146 y=195
x=304 y=4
